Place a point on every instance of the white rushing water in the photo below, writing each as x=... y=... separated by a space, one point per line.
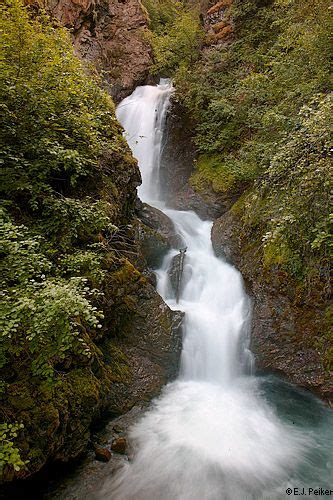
x=211 y=435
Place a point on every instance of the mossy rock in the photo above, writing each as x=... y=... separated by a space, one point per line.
x=211 y=171
x=20 y=397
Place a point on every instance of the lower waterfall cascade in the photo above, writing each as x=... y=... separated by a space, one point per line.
x=211 y=434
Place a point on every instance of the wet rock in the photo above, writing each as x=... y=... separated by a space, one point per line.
x=178 y=153
x=118 y=429
x=177 y=166
x=156 y=235
x=178 y=274
x=285 y=325
x=119 y=445
x=207 y=205
x=151 y=277
x=103 y=454
x=153 y=246
x=173 y=272
x=160 y=223
x=152 y=347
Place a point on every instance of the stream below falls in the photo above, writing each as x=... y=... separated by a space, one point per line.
x=219 y=432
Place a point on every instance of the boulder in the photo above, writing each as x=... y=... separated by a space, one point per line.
x=119 y=445
x=178 y=275
x=153 y=246
x=102 y=454
x=159 y=222
x=156 y=235
x=173 y=272
x=151 y=343
x=206 y=204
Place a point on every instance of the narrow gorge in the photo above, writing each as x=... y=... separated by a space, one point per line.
x=167 y=314
x=219 y=430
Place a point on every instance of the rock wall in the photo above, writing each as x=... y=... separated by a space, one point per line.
x=110 y=36
x=287 y=323
x=177 y=162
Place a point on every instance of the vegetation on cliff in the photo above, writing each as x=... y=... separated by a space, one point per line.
x=257 y=85
x=175 y=34
x=260 y=95
x=68 y=179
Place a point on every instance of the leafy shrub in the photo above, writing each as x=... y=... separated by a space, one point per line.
x=176 y=35
x=297 y=188
x=161 y=13
x=9 y=454
x=261 y=106
x=56 y=121
x=67 y=221
x=88 y=263
x=42 y=317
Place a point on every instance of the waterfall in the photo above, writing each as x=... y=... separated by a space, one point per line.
x=211 y=435
x=144 y=132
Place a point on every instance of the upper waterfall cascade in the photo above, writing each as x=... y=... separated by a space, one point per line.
x=212 y=434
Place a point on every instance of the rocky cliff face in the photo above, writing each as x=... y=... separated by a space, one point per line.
x=110 y=36
x=177 y=163
x=288 y=323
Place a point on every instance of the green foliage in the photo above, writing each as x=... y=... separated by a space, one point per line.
x=56 y=121
x=9 y=454
x=210 y=170
x=21 y=255
x=87 y=263
x=67 y=220
x=261 y=104
x=298 y=186
x=176 y=35
x=161 y=13
x=42 y=317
